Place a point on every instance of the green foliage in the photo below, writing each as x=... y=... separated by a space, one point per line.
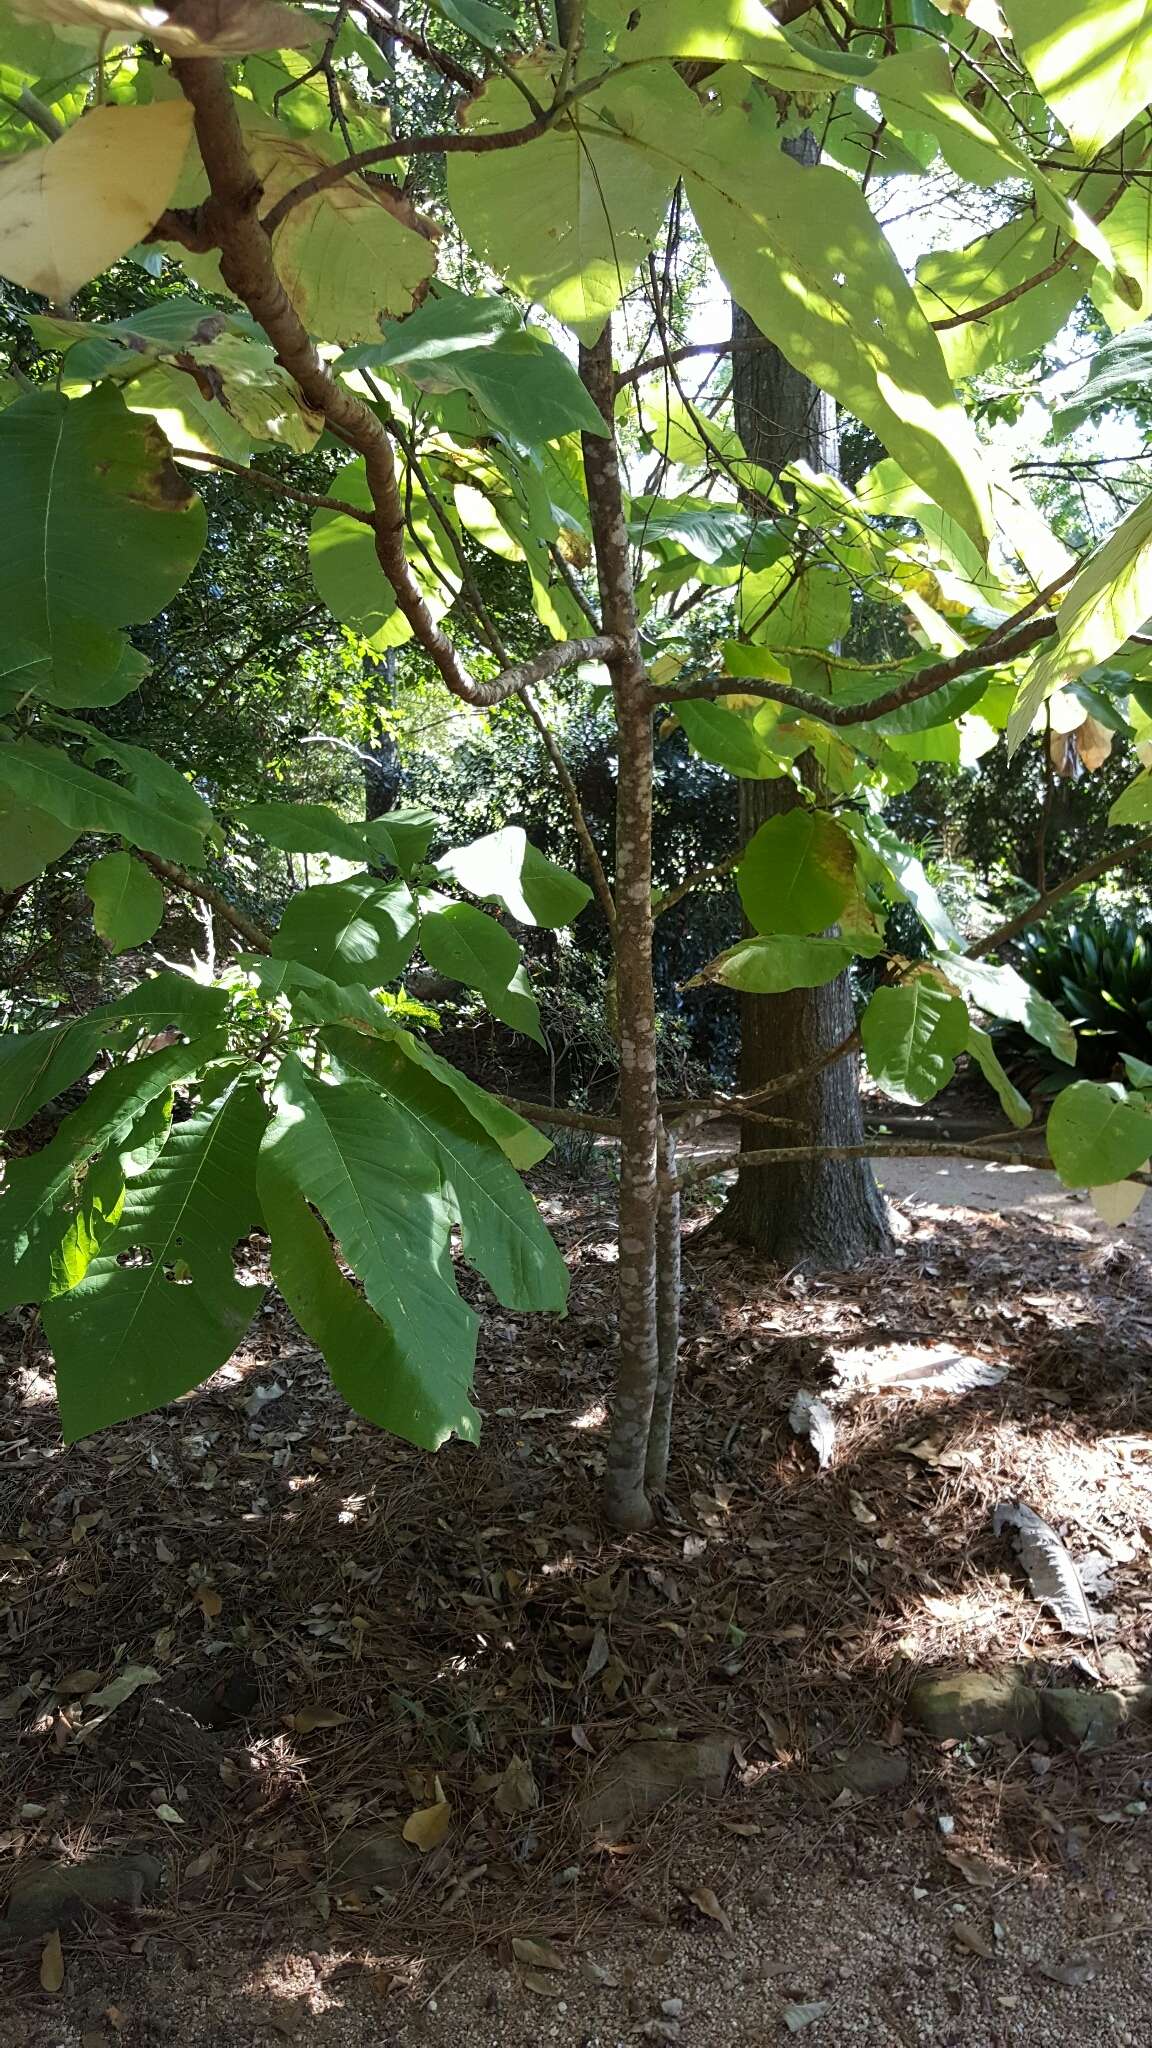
x=1097 y=971
x=911 y=1038
x=127 y=900
x=277 y=1084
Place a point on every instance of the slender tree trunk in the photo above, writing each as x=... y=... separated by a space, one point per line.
x=828 y=1212
x=667 y=1317
x=625 y=1500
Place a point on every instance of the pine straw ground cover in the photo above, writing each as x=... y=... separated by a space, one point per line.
x=335 y=1630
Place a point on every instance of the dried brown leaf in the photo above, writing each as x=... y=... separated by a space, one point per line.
x=308 y=1718
x=705 y=1901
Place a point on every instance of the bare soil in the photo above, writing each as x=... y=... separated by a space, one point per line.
x=338 y=1630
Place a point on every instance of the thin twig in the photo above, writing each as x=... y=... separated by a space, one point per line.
x=192 y=885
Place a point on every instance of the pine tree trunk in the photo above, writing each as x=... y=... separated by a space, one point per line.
x=823 y=1213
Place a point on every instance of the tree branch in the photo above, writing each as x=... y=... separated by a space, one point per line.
x=230 y=220
x=1043 y=904
x=191 y=885
x=1014 y=638
x=693 y=881
x=575 y=808
x=1029 y=284
x=992 y=1150
x=273 y=484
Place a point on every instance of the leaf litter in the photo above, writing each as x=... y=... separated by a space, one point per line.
x=440 y=1615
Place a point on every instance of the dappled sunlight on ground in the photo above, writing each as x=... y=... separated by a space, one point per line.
x=330 y=1623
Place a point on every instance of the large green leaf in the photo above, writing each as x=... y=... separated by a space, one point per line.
x=400 y=839
x=501 y=1231
x=999 y=989
x=127 y=900
x=357 y=930
x=519 y=1141
x=797 y=873
x=1093 y=64
x=951 y=281
x=800 y=251
x=899 y=872
x=131 y=1336
x=29 y=839
x=1118 y=377
x=469 y=946
x=525 y=386
x=568 y=217
x=1098 y=1133
x=42 y=1192
x=98 y=529
x=52 y=781
x=773 y=966
x=315 y=998
x=1133 y=806
x=1110 y=598
x=36 y=1066
x=507 y=869
x=911 y=1037
x=734 y=735
x=402 y=1353
x=347 y=572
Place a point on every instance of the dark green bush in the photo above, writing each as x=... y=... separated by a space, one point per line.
x=1097 y=970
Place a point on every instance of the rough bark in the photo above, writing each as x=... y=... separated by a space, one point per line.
x=625 y=1500
x=825 y=1213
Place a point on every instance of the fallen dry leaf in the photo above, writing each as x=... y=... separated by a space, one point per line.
x=309 y=1718
x=121 y=1688
x=861 y=1509
x=428 y=1826
x=538 y=1955
x=52 y=1963
x=969 y=1936
x=797 y=2017
x=705 y=1901
x=209 y=1602
x=77 y=1681
x=542 y=1985
x=973 y=1868
x=517 y=1791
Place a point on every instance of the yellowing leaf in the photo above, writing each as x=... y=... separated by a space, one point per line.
x=1117 y=1202
x=1109 y=599
x=192 y=28
x=351 y=255
x=428 y=1826
x=309 y=1718
x=71 y=209
x=209 y=1602
x=52 y=1963
x=1093 y=64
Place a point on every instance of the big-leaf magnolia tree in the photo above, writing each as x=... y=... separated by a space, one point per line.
x=248 y=144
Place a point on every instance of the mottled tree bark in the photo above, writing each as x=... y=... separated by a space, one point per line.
x=625 y=1499
x=667 y=1317
x=825 y=1213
